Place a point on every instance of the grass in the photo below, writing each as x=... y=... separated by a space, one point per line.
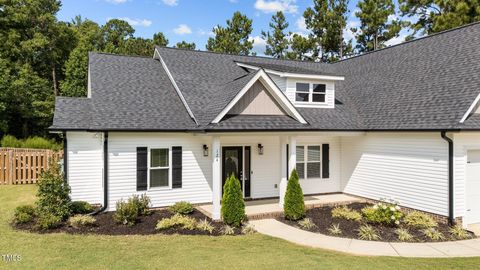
x=53 y=251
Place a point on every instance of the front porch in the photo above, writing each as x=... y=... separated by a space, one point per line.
x=268 y=208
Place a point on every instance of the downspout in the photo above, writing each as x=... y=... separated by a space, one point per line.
x=105 y=175
x=65 y=157
x=451 y=218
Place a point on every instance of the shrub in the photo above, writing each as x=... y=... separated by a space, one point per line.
x=141 y=203
x=228 y=230
x=383 y=213
x=177 y=220
x=233 y=206
x=24 y=214
x=31 y=142
x=79 y=221
x=53 y=193
x=248 y=229
x=47 y=221
x=11 y=141
x=182 y=207
x=205 y=225
x=433 y=234
x=420 y=220
x=306 y=224
x=335 y=229
x=367 y=232
x=294 y=206
x=403 y=235
x=126 y=214
x=458 y=233
x=346 y=213
x=81 y=207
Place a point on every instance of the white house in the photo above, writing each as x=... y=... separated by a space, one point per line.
x=401 y=122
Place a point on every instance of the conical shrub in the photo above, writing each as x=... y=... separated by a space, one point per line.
x=233 y=206
x=294 y=206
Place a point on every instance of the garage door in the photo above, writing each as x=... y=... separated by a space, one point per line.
x=473 y=187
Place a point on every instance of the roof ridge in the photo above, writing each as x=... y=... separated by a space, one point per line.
x=410 y=41
x=122 y=55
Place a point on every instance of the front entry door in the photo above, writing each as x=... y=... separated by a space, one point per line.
x=233 y=162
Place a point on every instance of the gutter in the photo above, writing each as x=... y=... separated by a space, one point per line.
x=451 y=218
x=105 y=175
x=65 y=157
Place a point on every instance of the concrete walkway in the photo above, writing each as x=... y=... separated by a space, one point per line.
x=272 y=227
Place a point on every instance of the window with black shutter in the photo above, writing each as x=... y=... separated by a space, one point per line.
x=325 y=161
x=176 y=167
x=142 y=168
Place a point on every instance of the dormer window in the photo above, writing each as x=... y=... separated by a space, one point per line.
x=310 y=92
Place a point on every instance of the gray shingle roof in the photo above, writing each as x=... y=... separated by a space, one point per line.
x=427 y=84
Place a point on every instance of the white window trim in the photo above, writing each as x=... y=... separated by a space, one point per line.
x=310 y=94
x=169 y=167
x=306 y=161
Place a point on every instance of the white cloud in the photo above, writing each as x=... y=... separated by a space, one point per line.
x=301 y=24
x=392 y=17
x=233 y=1
x=270 y=6
x=135 y=22
x=169 y=2
x=202 y=32
x=347 y=32
x=399 y=39
x=116 y=1
x=182 y=29
x=258 y=44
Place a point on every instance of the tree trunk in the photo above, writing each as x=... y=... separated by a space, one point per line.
x=54 y=81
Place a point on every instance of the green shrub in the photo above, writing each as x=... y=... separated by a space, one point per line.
x=233 y=206
x=182 y=207
x=433 y=234
x=228 y=230
x=205 y=225
x=141 y=203
x=458 y=233
x=47 y=221
x=127 y=213
x=53 y=193
x=24 y=214
x=346 y=213
x=419 y=220
x=367 y=232
x=10 y=141
x=79 y=221
x=306 y=224
x=383 y=213
x=177 y=220
x=335 y=229
x=81 y=207
x=248 y=229
x=403 y=235
x=294 y=206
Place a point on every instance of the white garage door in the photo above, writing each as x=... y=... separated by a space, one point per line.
x=473 y=187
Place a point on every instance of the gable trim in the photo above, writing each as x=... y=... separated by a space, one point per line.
x=270 y=86
x=156 y=55
x=470 y=110
x=294 y=75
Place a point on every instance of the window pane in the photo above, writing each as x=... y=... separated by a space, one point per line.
x=300 y=154
x=301 y=97
x=319 y=88
x=301 y=170
x=318 y=97
x=303 y=87
x=159 y=178
x=313 y=170
x=159 y=158
x=314 y=153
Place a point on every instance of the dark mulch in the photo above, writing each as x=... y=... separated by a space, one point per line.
x=323 y=220
x=105 y=225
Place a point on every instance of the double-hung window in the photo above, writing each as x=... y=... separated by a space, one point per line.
x=159 y=167
x=302 y=92
x=312 y=93
x=308 y=161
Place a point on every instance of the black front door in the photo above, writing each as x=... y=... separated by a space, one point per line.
x=234 y=160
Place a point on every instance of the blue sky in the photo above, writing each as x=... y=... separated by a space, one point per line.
x=193 y=20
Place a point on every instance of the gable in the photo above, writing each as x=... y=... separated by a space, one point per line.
x=257 y=101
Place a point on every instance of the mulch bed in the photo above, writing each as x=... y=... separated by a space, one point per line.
x=105 y=225
x=323 y=220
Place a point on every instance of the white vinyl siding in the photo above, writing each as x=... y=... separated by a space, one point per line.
x=281 y=82
x=85 y=166
x=408 y=167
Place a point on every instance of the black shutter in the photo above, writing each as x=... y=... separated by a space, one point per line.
x=325 y=161
x=176 y=166
x=142 y=167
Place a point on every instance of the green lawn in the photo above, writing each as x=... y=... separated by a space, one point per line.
x=53 y=251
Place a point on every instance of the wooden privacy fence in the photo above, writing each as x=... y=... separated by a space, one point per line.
x=24 y=166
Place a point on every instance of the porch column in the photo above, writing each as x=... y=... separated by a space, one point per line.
x=283 y=167
x=216 y=178
x=292 y=158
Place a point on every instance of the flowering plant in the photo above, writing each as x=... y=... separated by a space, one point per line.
x=385 y=211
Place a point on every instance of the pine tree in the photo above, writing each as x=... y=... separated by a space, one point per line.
x=233 y=206
x=375 y=27
x=301 y=48
x=159 y=39
x=186 y=45
x=234 y=38
x=277 y=41
x=294 y=206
